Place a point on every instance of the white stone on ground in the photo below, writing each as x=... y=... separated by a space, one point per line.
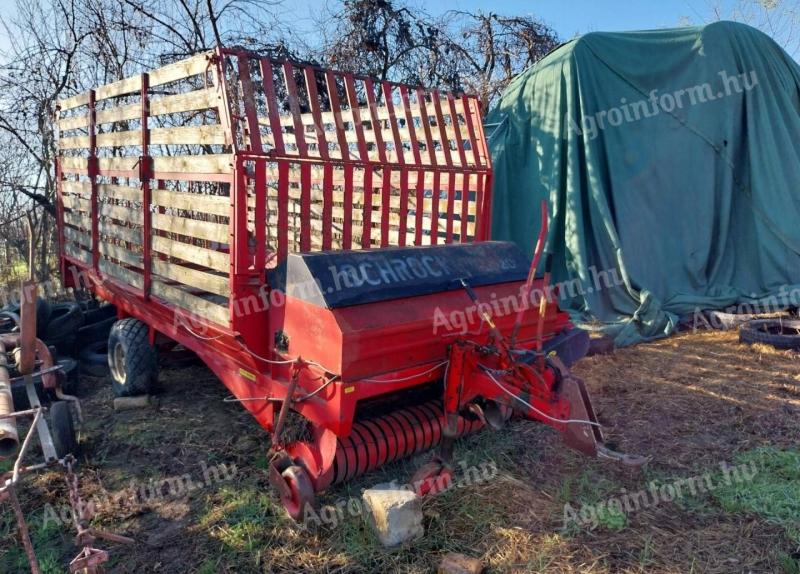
x=394 y=513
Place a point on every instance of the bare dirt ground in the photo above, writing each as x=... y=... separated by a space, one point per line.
x=690 y=402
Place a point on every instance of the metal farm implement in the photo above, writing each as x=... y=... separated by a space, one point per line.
x=304 y=232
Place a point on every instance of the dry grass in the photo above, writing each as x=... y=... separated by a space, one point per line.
x=690 y=402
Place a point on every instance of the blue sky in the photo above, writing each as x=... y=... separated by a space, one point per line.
x=567 y=17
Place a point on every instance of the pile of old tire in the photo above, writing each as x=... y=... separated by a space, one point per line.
x=93 y=340
x=61 y=328
x=778 y=332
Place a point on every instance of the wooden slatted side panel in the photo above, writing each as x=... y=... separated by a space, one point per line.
x=191 y=261
x=376 y=207
x=120 y=213
x=317 y=114
x=180 y=215
x=185 y=133
x=76 y=199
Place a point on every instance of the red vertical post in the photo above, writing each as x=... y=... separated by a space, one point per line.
x=144 y=181
x=336 y=110
x=386 y=198
x=294 y=107
x=93 y=168
x=412 y=132
x=316 y=113
x=260 y=216
x=403 y=206
x=347 y=224
x=305 y=207
x=426 y=126
x=283 y=209
x=268 y=83
x=457 y=129
x=451 y=203
x=327 y=205
x=420 y=207
x=398 y=144
x=444 y=139
x=479 y=210
x=366 y=229
x=486 y=228
x=355 y=110
x=465 y=206
x=252 y=131
x=473 y=142
x=435 y=207
x=369 y=88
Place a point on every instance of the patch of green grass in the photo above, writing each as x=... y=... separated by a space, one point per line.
x=50 y=544
x=789 y=565
x=588 y=495
x=774 y=491
x=244 y=518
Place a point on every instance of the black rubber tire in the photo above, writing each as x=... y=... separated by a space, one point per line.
x=63 y=429
x=65 y=346
x=133 y=361
x=94 y=332
x=43 y=312
x=780 y=333
x=102 y=313
x=68 y=375
x=65 y=320
x=94 y=359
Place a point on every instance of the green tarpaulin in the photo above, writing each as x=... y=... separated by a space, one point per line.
x=670 y=160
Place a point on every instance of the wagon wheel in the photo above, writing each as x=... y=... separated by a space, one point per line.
x=301 y=492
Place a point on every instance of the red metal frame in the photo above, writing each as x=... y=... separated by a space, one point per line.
x=236 y=352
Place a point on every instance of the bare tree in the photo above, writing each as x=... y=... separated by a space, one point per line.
x=778 y=18
x=476 y=52
x=64 y=47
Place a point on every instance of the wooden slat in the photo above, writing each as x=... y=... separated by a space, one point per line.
x=190 y=101
x=119 y=114
x=75 y=142
x=120 y=273
x=129 y=163
x=211 y=311
x=192 y=277
x=121 y=254
x=128 y=234
x=199 y=135
x=76 y=202
x=125 y=86
x=123 y=192
x=192 y=227
x=78 y=219
x=83 y=188
x=74 y=122
x=78 y=253
x=82 y=237
x=121 y=213
x=73 y=163
x=191 y=253
x=219 y=163
x=179 y=70
x=74 y=101
x=215 y=204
